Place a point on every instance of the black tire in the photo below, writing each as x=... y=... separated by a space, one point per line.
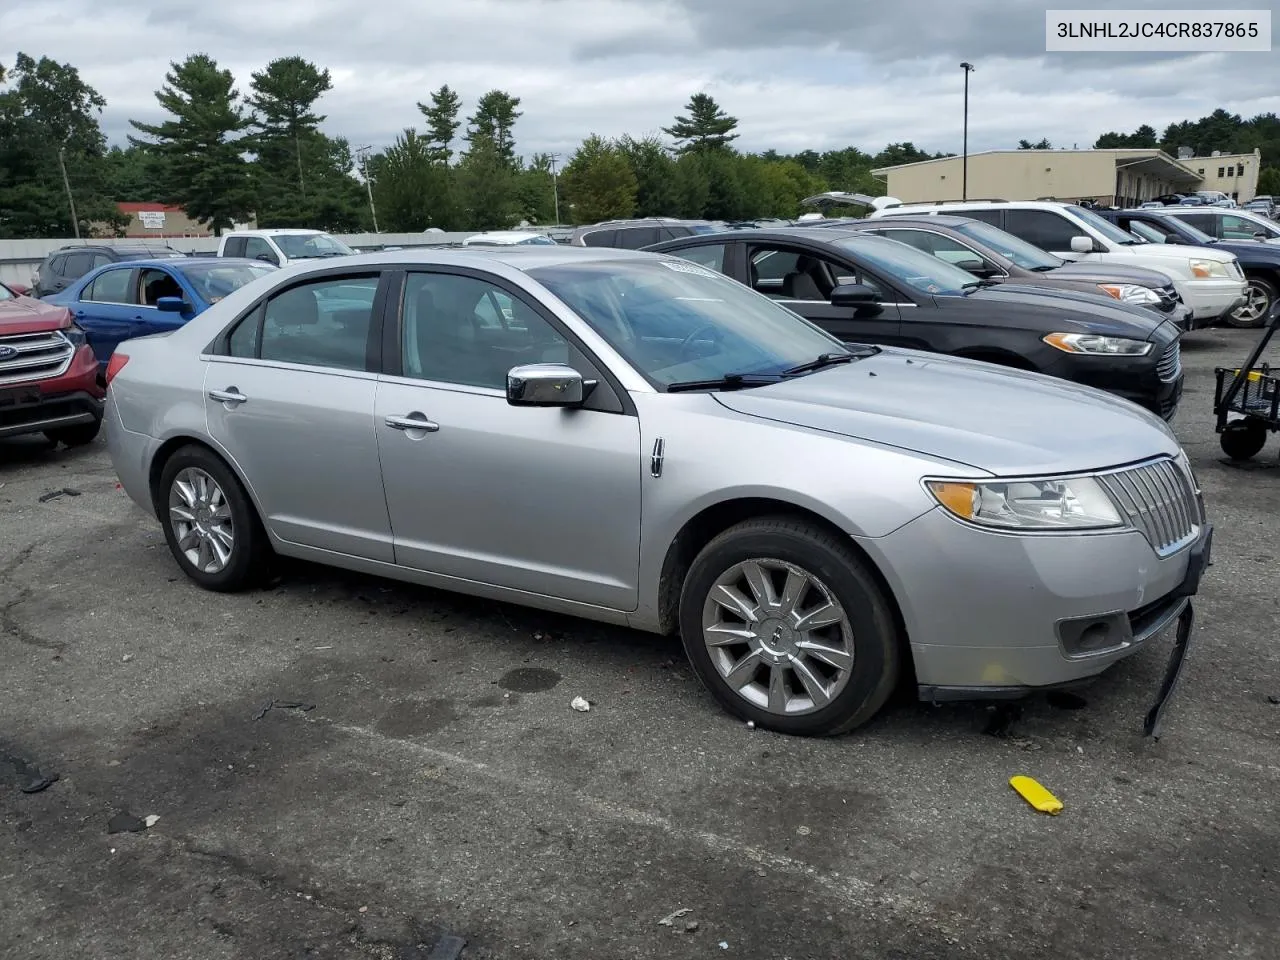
x=1243 y=439
x=1258 y=287
x=875 y=640
x=250 y=554
x=77 y=436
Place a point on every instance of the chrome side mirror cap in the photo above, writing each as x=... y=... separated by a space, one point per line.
x=545 y=385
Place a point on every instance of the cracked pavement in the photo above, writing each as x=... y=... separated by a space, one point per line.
x=442 y=784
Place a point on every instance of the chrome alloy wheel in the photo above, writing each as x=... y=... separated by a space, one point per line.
x=1254 y=306
x=778 y=636
x=201 y=520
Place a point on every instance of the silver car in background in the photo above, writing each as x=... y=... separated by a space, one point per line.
x=635 y=439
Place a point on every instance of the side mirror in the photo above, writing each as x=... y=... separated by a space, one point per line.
x=1260 y=235
x=171 y=305
x=1082 y=244
x=978 y=268
x=853 y=295
x=267 y=258
x=545 y=385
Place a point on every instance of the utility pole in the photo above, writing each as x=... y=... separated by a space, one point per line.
x=964 y=176
x=555 y=184
x=62 y=163
x=363 y=154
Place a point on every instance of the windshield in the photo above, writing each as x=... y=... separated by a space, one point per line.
x=918 y=270
x=6 y=293
x=297 y=246
x=540 y=240
x=214 y=281
x=1012 y=248
x=676 y=322
x=1104 y=227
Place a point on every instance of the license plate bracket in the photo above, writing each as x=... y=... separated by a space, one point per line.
x=18 y=397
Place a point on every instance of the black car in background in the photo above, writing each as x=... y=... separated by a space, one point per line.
x=989 y=253
x=869 y=289
x=68 y=264
x=1260 y=261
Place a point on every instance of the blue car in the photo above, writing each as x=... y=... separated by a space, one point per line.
x=134 y=298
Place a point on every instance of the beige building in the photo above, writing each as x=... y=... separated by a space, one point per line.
x=1122 y=178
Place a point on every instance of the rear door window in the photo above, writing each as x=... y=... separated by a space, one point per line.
x=77 y=265
x=600 y=238
x=707 y=255
x=633 y=238
x=1206 y=222
x=110 y=286
x=992 y=217
x=235 y=246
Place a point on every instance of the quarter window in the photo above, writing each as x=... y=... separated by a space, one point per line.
x=468 y=331
x=111 y=286
x=708 y=255
x=323 y=324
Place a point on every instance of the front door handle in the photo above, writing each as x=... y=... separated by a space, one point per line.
x=414 y=421
x=229 y=395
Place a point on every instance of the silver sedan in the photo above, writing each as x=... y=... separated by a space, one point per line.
x=637 y=439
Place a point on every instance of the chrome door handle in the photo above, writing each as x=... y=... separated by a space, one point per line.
x=229 y=395
x=414 y=421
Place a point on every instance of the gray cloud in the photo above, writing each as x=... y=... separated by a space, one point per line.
x=802 y=74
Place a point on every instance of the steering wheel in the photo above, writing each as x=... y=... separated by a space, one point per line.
x=688 y=341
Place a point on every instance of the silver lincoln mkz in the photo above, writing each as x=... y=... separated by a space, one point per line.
x=639 y=440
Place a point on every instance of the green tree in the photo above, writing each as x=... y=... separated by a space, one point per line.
x=692 y=185
x=599 y=182
x=442 y=122
x=1143 y=137
x=1269 y=182
x=284 y=97
x=486 y=187
x=408 y=186
x=133 y=173
x=535 y=191
x=203 y=142
x=705 y=127
x=492 y=123
x=1042 y=144
x=898 y=153
x=651 y=162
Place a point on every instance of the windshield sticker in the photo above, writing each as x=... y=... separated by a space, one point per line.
x=682 y=267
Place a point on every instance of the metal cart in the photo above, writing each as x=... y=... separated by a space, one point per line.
x=1247 y=400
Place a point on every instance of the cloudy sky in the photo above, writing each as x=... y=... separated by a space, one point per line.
x=797 y=73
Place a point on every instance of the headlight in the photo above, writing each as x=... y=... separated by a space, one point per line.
x=1130 y=292
x=1097 y=344
x=1078 y=504
x=1208 y=268
x=75 y=334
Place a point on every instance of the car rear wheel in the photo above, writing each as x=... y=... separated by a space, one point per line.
x=787 y=628
x=77 y=436
x=210 y=524
x=1259 y=297
x=1243 y=439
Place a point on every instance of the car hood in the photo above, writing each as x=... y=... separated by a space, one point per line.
x=1255 y=251
x=1094 y=272
x=28 y=315
x=1006 y=422
x=1024 y=306
x=1169 y=251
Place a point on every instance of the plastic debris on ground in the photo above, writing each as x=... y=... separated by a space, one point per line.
x=124 y=822
x=1036 y=795
x=151 y=820
x=581 y=704
x=670 y=919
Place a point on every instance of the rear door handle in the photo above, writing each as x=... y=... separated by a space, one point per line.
x=229 y=395
x=414 y=421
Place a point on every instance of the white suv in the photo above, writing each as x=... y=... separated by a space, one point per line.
x=1209 y=281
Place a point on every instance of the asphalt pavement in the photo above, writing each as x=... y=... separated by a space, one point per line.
x=345 y=767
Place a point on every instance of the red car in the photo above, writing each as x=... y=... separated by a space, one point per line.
x=49 y=379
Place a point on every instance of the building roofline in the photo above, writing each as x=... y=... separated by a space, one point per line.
x=1116 y=152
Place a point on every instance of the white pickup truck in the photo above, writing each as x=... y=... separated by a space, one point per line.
x=1208 y=280
x=281 y=247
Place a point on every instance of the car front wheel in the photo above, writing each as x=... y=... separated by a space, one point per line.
x=787 y=628
x=210 y=524
x=1260 y=295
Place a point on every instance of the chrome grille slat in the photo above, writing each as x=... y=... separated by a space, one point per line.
x=1170 y=363
x=39 y=356
x=1160 y=501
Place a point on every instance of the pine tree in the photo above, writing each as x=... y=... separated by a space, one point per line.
x=706 y=127
x=442 y=122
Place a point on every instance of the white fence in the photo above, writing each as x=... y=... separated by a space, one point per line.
x=20 y=258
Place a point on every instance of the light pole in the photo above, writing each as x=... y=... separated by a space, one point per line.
x=66 y=183
x=363 y=154
x=555 y=185
x=964 y=175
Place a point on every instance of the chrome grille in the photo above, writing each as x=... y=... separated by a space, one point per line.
x=1168 y=298
x=1170 y=364
x=1159 y=499
x=38 y=356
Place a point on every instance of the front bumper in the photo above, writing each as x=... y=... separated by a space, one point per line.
x=1210 y=298
x=1136 y=379
x=994 y=615
x=74 y=398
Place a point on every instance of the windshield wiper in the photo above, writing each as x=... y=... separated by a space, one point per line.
x=730 y=381
x=1043 y=268
x=830 y=360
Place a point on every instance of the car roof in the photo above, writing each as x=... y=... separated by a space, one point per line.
x=274 y=232
x=937 y=220
x=518 y=256
x=782 y=235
